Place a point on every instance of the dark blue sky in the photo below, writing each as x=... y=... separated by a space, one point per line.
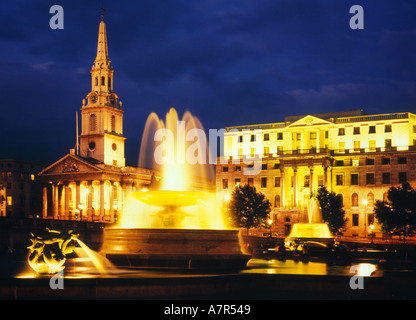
x=230 y=62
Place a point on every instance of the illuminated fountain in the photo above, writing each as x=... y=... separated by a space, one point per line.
x=180 y=224
x=311 y=229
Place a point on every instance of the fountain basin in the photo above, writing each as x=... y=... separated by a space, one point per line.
x=318 y=232
x=174 y=248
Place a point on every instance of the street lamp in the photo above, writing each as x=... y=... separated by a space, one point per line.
x=372 y=233
x=270 y=221
x=365 y=218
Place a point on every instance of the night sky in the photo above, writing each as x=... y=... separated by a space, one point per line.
x=230 y=62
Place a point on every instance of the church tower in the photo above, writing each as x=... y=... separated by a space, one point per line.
x=102 y=117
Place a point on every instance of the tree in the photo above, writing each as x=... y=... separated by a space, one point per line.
x=332 y=210
x=397 y=215
x=249 y=208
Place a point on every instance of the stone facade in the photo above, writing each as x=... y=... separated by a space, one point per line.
x=357 y=155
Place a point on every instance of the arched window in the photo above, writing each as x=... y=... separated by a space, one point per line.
x=93 y=122
x=113 y=124
x=103 y=81
x=109 y=83
x=277 y=201
x=354 y=199
x=370 y=200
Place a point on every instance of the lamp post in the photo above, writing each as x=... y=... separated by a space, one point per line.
x=372 y=233
x=270 y=221
x=365 y=218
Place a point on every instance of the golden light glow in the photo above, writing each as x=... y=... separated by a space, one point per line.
x=176 y=204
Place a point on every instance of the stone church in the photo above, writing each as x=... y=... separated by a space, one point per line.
x=92 y=182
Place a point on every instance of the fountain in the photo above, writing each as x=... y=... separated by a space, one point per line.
x=311 y=229
x=179 y=225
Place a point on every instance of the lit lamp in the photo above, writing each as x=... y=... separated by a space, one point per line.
x=270 y=221
x=372 y=233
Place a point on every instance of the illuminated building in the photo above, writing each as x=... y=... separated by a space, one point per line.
x=20 y=189
x=92 y=182
x=357 y=155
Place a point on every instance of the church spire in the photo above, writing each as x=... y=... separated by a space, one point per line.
x=102 y=48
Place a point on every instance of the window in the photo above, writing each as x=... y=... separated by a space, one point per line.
x=372 y=145
x=9 y=200
x=277 y=201
x=266 y=137
x=113 y=124
x=339 y=179
x=354 y=179
x=96 y=81
x=370 y=200
x=253 y=138
x=263 y=181
x=357 y=146
x=387 y=128
x=298 y=136
x=339 y=163
x=385 y=160
x=372 y=129
x=224 y=169
x=341 y=146
x=250 y=182
x=387 y=144
x=402 y=160
x=32 y=177
x=252 y=150
x=264 y=166
x=326 y=134
x=341 y=131
x=93 y=122
x=102 y=81
x=320 y=180
x=385 y=177
x=402 y=177
x=266 y=151
x=280 y=136
x=355 y=162
x=277 y=182
x=237 y=168
x=370 y=178
x=354 y=200
x=276 y=166
x=312 y=135
x=356 y=130
x=240 y=138
x=355 y=220
x=237 y=181
x=306 y=180
x=225 y=183
x=369 y=161
x=109 y=82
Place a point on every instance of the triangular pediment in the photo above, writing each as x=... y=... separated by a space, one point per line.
x=70 y=164
x=309 y=121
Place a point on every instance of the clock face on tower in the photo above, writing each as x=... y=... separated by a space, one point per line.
x=93 y=98
x=112 y=99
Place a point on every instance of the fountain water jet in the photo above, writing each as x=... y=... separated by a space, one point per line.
x=180 y=224
x=313 y=229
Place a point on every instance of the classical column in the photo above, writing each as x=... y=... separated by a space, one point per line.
x=55 y=200
x=282 y=188
x=112 y=202
x=102 y=210
x=325 y=176
x=78 y=198
x=318 y=141
x=45 y=202
x=311 y=181
x=295 y=170
x=67 y=190
x=89 y=200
